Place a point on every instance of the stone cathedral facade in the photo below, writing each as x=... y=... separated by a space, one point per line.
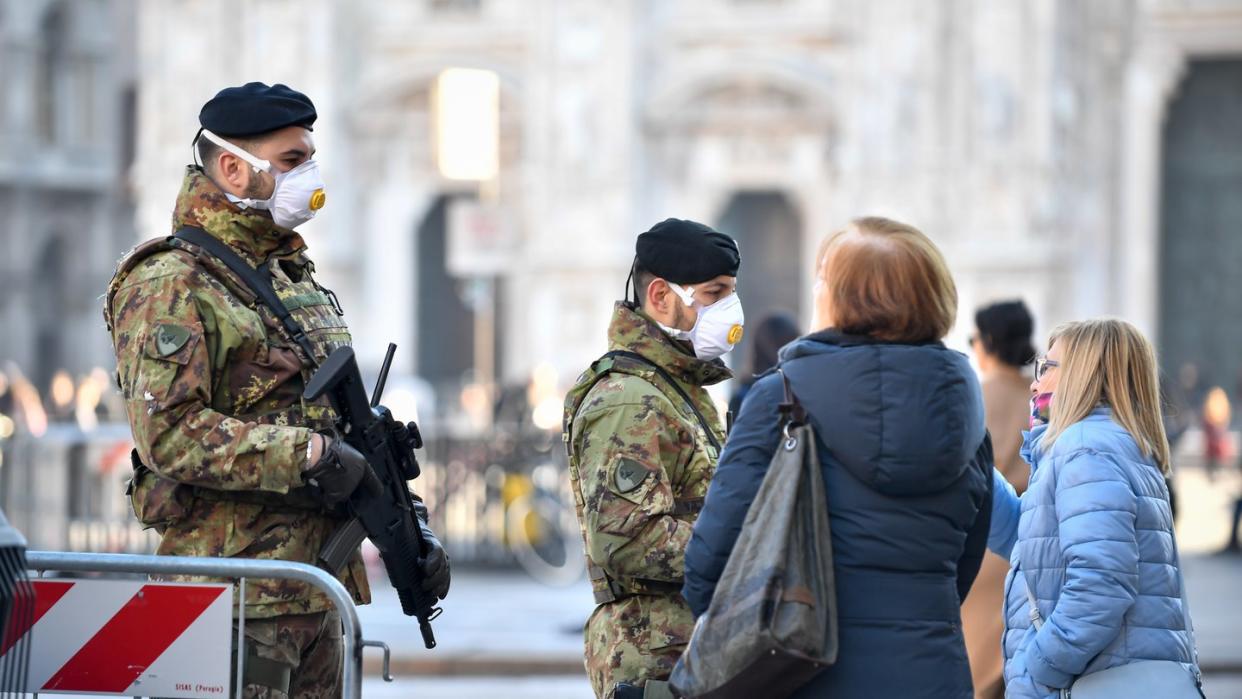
x=1027 y=137
x=67 y=108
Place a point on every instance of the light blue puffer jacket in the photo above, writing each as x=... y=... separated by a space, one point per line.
x=1093 y=538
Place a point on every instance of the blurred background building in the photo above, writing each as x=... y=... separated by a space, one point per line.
x=490 y=163
x=68 y=121
x=1037 y=141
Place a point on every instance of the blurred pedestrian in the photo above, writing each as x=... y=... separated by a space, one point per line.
x=643 y=437
x=1218 y=451
x=1179 y=414
x=1092 y=537
x=1190 y=380
x=1003 y=348
x=1216 y=416
x=905 y=458
x=6 y=395
x=1234 y=546
x=769 y=336
x=1179 y=417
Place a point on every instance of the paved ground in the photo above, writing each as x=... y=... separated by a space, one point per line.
x=503 y=634
x=1214 y=581
x=1223 y=686
x=549 y=687
x=493 y=623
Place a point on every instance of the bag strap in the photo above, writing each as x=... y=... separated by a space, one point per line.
x=792 y=412
x=1036 y=619
x=258 y=279
x=707 y=428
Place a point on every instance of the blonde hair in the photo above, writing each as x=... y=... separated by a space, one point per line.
x=887 y=280
x=1108 y=361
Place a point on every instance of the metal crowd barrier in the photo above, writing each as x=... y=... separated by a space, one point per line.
x=16 y=607
x=239 y=570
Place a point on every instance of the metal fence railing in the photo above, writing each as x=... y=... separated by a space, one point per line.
x=238 y=570
x=16 y=608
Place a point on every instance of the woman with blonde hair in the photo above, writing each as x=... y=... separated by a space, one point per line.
x=906 y=462
x=1095 y=585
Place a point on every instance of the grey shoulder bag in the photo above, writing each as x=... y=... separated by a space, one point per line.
x=772 y=623
x=1166 y=679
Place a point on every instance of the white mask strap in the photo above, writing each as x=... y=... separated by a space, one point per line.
x=251 y=203
x=256 y=163
x=686 y=294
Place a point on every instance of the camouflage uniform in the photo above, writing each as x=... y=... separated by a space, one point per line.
x=213 y=389
x=640 y=463
x=309 y=642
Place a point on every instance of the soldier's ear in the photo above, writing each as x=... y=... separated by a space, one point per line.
x=233 y=172
x=658 y=295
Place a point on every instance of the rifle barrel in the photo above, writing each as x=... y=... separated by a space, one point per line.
x=383 y=375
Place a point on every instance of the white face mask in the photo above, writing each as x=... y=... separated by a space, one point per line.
x=719 y=327
x=298 y=195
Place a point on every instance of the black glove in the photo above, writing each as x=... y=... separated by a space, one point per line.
x=339 y=472
x=435 y=561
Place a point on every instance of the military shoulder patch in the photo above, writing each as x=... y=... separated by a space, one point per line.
x=169 y=338
x=629 y=475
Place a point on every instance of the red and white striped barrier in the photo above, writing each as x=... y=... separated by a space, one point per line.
x=128 y=638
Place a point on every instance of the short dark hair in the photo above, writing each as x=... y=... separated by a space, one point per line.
x=208 y=151
x=1005 y=330
x=642 y=278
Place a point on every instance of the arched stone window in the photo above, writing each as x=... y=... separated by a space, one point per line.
x=459 y=6
x=1200 y=246
x=48 y=306
x=50 y=64
x=768 y=229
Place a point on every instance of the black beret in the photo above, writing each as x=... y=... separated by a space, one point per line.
x=687 y=252
x=255 y=108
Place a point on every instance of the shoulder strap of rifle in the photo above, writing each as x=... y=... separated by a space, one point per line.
x=707 y=428
x=259 y=280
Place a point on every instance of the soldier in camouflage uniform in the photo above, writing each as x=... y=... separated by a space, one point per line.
x=643 y=437
x=230 y=460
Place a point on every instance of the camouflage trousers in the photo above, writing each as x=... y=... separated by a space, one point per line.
x=296 y=655
x=635 y=639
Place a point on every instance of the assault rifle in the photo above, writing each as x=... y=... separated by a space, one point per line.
x=385 y=516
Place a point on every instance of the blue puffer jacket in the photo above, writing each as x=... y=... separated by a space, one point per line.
x=906 y=469
x=1093 y=538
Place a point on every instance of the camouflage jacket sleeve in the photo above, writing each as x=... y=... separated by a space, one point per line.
x=162 y=317
x=630 y=440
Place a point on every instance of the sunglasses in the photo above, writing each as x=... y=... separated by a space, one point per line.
x=1042 y=365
